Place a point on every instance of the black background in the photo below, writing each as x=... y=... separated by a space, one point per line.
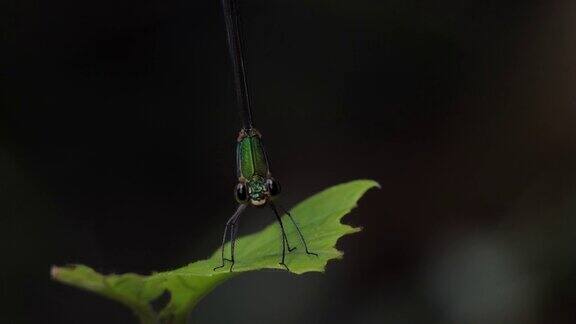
x=117 y=130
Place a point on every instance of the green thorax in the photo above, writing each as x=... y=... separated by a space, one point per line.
x=251 y=158
x=252 y=163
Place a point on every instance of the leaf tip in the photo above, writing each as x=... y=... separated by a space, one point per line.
x=372 y=183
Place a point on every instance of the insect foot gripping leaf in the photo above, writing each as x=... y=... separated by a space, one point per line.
x=318 y=217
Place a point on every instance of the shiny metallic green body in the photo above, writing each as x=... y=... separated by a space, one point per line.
x=252 y=165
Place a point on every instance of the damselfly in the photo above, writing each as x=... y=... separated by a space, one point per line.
x=256 y=186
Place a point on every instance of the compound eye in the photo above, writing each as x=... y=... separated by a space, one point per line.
x=273 y=187
x=241 y=193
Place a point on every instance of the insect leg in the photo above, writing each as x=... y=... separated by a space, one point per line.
x=284 y=238
x=233 y=232
x=229 y=223
x=223 y=243
x=299 y=232
x=290 y=249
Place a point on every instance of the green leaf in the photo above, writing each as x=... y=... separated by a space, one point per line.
x=129 y=289
x=318 y=217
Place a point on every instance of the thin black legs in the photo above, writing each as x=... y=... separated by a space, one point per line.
x=232 y=226
x=232 y=223
x=299 y=232
x=284 y=237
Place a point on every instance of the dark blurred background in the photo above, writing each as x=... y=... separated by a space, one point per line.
x=117 y=130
